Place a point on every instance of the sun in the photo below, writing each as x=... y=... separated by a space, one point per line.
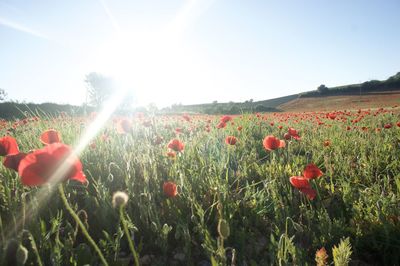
x=147 y=65
x=155 y=65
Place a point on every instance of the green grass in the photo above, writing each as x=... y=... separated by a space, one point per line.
x=269 y=221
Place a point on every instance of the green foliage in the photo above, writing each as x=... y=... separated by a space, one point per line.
x=392 y=83
x=99 y=88
x=3 y=95
x=234 y=203
x=342 y=253
x=322 y=89
x=14 y=110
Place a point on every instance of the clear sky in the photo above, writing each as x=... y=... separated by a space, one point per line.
x=194 y=51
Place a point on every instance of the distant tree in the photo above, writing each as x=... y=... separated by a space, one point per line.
x=322 y=89
x=126 y=104
x=152 y=108
x=260 y=108
x=251 y=100
x=371 y=85
x=395 y=77
x=99 y=88
x=235 y=109
x=218 y=109
x=3 y=95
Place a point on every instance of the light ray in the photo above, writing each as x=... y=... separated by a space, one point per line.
x=43 y=194
x=187 y=15
x=114 y=22
x=16 y=26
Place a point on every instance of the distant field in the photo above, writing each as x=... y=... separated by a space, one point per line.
x=371 y=100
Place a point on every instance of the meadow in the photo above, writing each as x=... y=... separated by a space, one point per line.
x=306 y=188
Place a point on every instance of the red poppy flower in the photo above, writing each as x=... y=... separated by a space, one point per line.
x=12 y=161
x=169 y=189
x=124 y=126
x=221 y=124
x=312 y=171
x=239 y=128
x=231 y=140
x=176 y=145
x=8 y=145
x=226 y=118
x=310 y=193
x=157 y=140
x=50 y=136
x=37 y=167
x=300 y=182
x=303 y=184
x=186 y=117
x=327 y=143
x=387 y=126
x=271 y=143
x=293 y=133
x=332 y=116
x=398 y=124
x=287 y=136
x=171 y=154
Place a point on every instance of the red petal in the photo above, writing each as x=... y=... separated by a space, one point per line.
x=310 y=193
x=292 y=131
x=12 y=161
x=299 y=182
x=176 y=145
x=36 y=168
x=8 y=145
x=50 y=136
x=30 y=171
x=312 y=171
x=271 y=143
x=80 y=176
x=282 y=144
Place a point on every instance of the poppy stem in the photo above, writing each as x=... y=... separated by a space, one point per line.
x=33 y=246
x=126 y=231
x=81 y=226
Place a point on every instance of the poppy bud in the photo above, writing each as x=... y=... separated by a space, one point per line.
x=22 y=255
x=15 y=254
x=82 y=214
x=321 y=257
x=231 y=140
x=223 y=229
x=119 y=199
x=169 y=189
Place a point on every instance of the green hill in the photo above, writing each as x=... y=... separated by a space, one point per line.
x=390 y=84
x=9 y=110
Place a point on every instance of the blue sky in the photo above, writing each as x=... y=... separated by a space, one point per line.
x=188 y=51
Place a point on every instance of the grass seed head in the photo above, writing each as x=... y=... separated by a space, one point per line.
x=119 y=199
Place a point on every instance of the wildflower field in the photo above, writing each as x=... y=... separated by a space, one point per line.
x=254 y=189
